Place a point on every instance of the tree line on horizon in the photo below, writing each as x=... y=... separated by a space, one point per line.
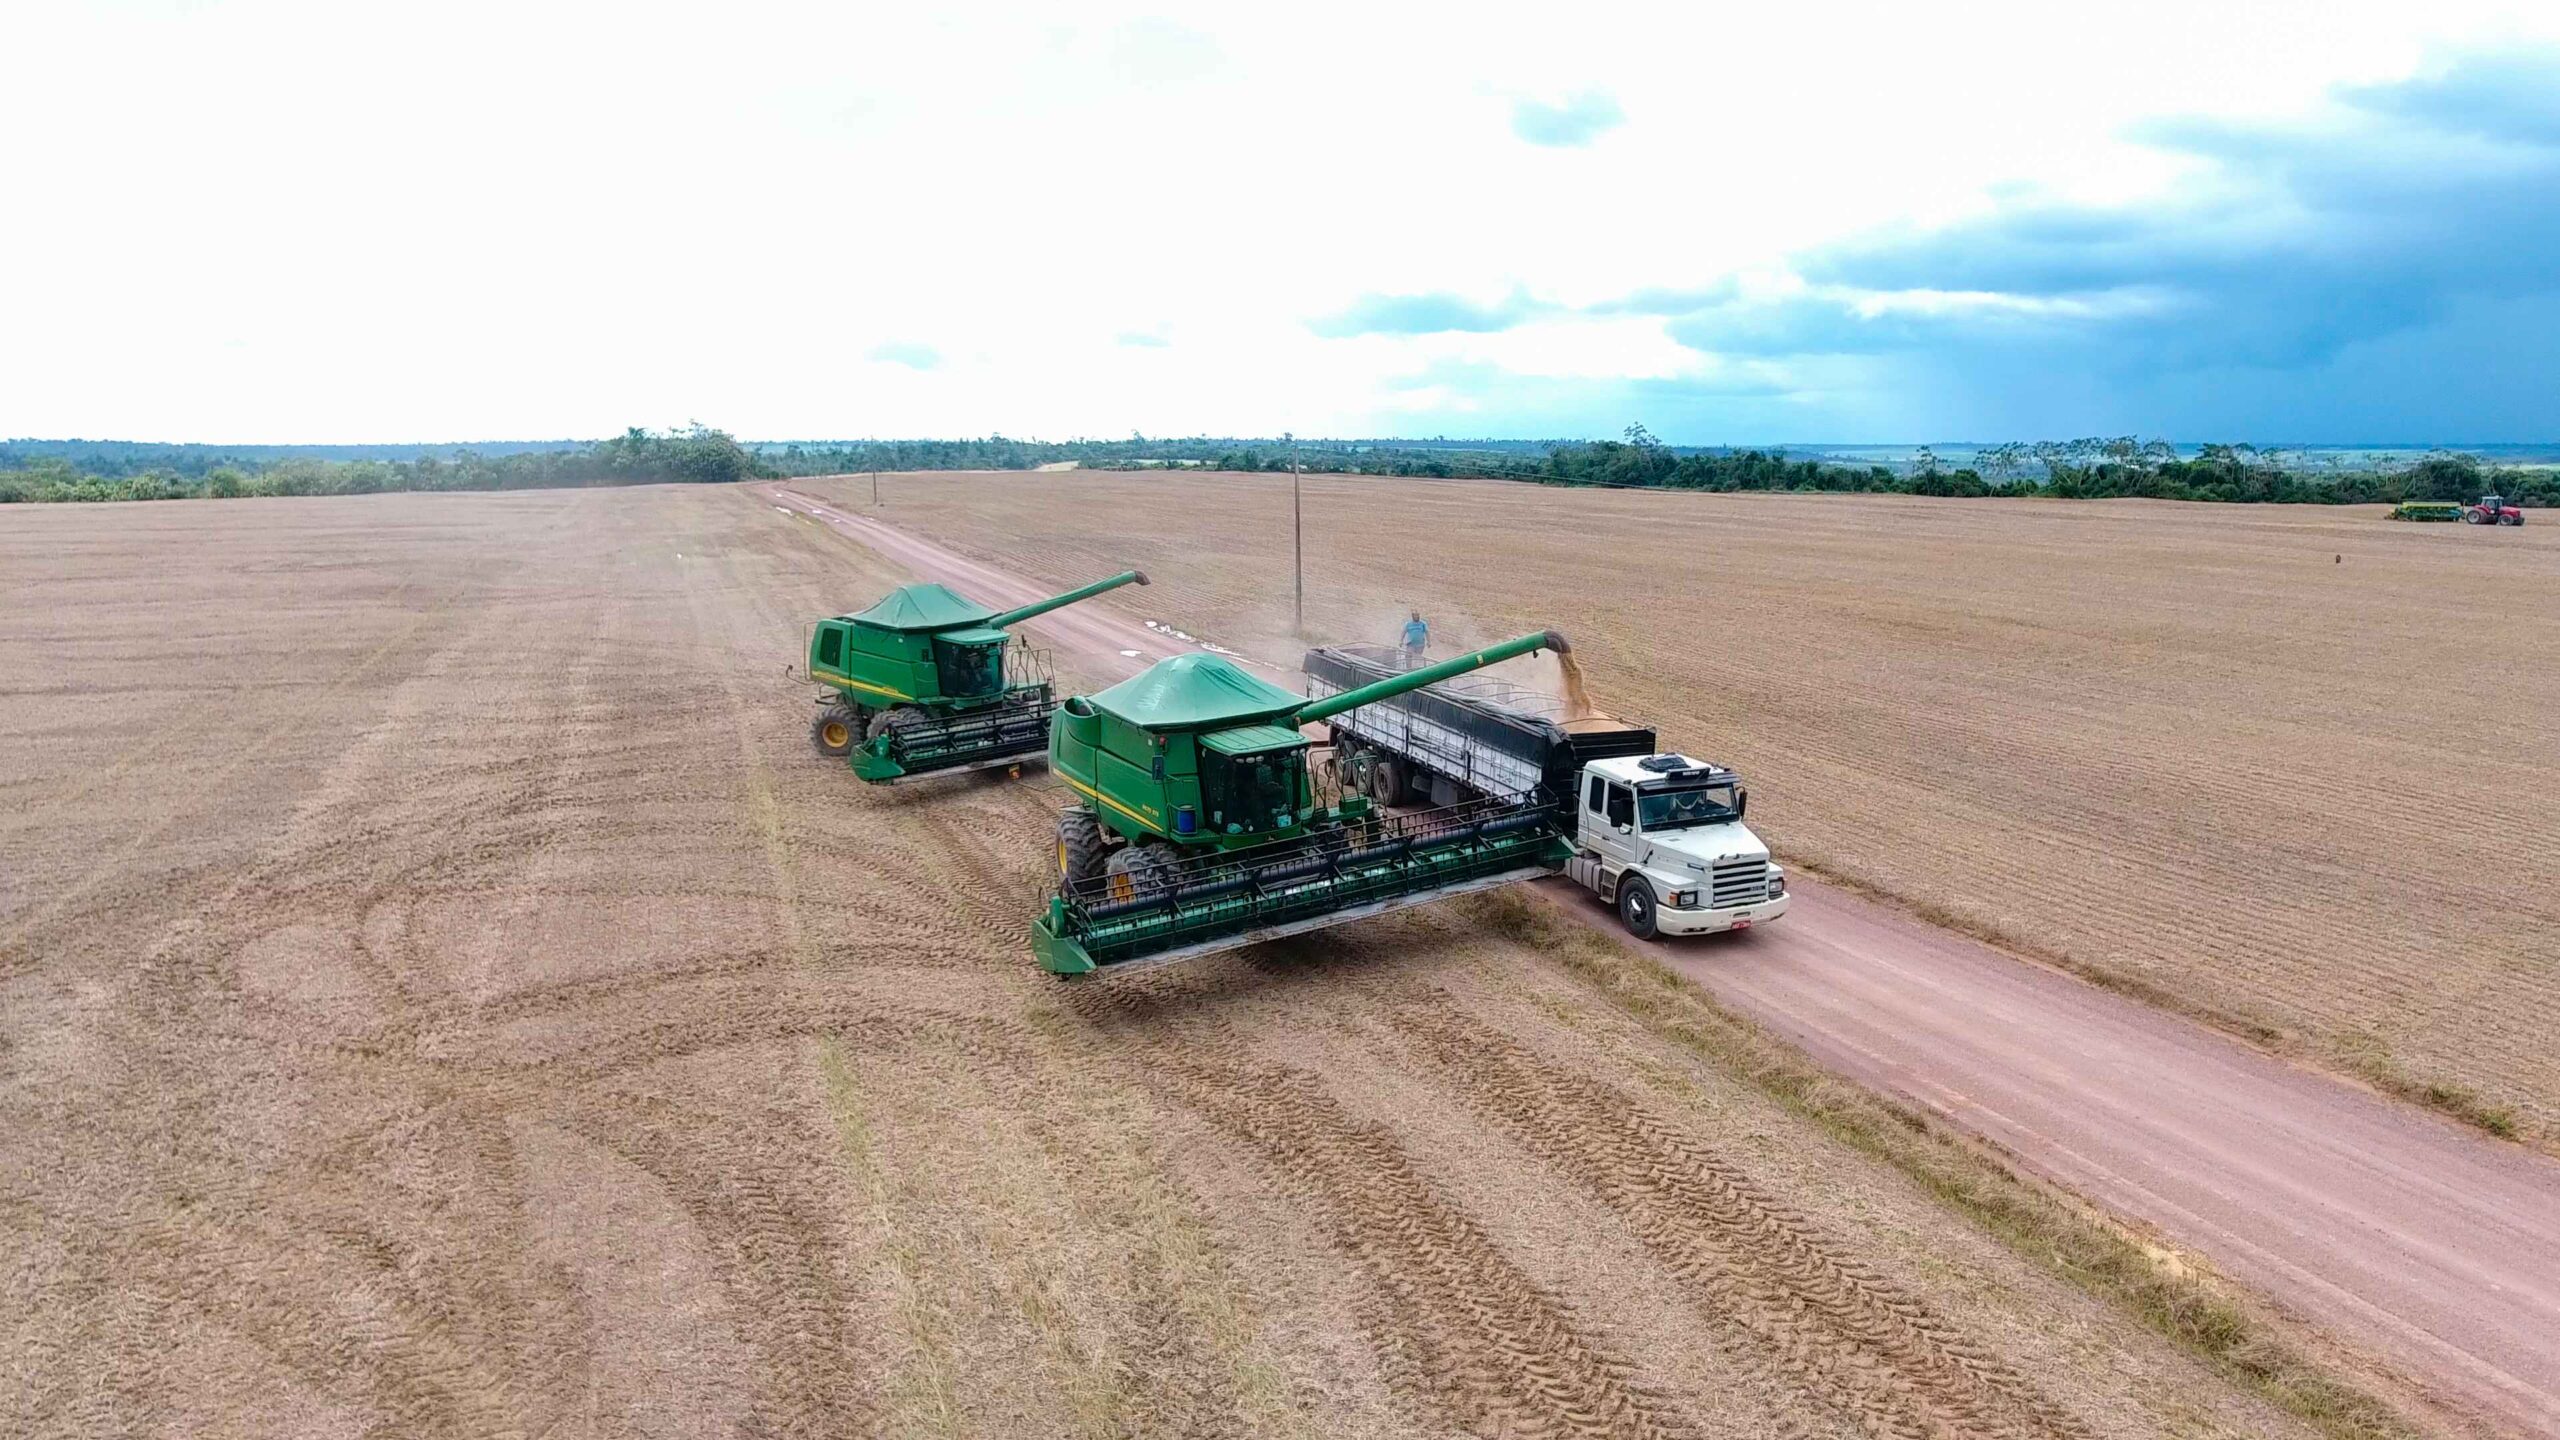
x=2090 y=468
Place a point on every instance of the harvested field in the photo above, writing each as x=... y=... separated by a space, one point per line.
x=2293 y=768
x=440 y=994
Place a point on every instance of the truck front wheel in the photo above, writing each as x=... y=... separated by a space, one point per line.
x=1636 y=908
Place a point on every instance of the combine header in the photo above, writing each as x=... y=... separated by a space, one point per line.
x=1199 y=829
x=926 y=682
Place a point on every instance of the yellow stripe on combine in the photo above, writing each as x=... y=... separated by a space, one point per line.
x=833 y=678
x=1091 y=793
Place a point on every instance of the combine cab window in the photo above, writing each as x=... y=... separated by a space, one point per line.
x=969 y=670
x=831 y=647
x=1252 y=791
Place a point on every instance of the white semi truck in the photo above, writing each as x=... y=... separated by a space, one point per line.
x=1659 y=836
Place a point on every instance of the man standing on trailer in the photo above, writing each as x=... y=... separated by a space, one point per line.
x=1416 y=636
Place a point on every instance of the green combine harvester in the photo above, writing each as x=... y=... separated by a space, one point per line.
x=927 y=682
x=1199 y=828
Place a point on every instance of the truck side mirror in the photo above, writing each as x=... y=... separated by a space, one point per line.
x=1741 y=802
x=1626 y=829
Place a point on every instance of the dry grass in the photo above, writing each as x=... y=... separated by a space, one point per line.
x=2292 y=770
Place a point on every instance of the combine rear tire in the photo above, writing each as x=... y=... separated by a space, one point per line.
x=834 y=730
x=1636 y=908
x=1081 y=846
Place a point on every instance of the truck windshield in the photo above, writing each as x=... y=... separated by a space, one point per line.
x=1689 y=805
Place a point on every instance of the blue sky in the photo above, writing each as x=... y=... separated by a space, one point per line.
x=274 y=220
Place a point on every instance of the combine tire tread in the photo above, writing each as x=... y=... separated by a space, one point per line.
x=888 y=722
x=1138 y=870
x=1082 y=848
x=838 y=725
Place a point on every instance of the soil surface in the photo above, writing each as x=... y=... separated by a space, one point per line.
x=442 y=994
x=2418 y=1239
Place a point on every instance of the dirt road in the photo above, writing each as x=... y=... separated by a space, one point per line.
x=2422 y=1242
x=2396 y=1229
x=441 y=995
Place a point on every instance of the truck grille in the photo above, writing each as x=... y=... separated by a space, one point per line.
x=1738 y=882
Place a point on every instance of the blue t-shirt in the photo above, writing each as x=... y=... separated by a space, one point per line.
x=1415 y=634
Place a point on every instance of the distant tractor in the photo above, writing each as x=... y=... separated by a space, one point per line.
x=1199 y=827
x=2492 y=510
x=928 y=682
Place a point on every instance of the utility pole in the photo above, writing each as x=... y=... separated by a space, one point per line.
x=1297 y=532
x=875 y=489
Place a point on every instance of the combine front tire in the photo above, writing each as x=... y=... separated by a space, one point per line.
x=834 y=730
x=1138 y=871
x=890 y=722
x=1636 y=908
x=1081 y=846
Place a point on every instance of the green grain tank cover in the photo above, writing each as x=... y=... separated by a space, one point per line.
x=1195 y=692
x=922 y=607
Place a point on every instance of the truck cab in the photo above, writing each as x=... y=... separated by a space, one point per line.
x=1661 y=837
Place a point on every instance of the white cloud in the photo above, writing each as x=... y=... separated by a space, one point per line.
x=320 y=221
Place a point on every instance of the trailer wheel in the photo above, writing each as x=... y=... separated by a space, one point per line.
x=834 y=729
x=1389 y=779
x=1636 y=908
x=1081 y=845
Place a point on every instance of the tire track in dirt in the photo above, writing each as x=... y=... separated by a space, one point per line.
x=1467 y=1326
x=1842 y=1335
x=1456 y=1324
x=765 y=1225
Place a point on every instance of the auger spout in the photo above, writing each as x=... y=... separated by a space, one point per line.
x=1429 y=674
x=1082 y=592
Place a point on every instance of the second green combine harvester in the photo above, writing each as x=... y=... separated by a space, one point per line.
x=1199 y=827
x=928 y=682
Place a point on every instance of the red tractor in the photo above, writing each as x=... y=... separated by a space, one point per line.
x=2492 y=511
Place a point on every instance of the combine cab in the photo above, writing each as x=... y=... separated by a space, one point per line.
x=928 y=682
x=1198 y=828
